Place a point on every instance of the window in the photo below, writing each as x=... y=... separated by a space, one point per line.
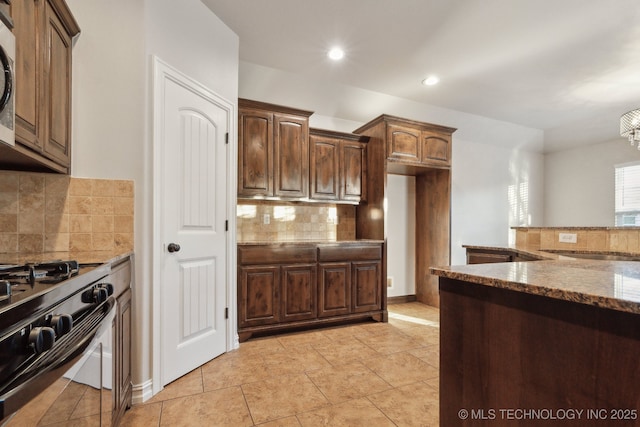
x=628 y=194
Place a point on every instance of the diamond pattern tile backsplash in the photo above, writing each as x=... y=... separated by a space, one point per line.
x=49 y=213
x=272 y=222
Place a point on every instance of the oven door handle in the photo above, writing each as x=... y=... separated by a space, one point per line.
x=52 y=365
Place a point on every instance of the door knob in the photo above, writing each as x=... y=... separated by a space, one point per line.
x=173 y=247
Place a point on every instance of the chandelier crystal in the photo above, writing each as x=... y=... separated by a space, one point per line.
x=630 y=126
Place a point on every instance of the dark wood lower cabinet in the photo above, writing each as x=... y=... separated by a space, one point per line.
x=334 y=290
x=366 y=280
x=259 y=295
x=123 y=389
x=298 y=292
x=503 y=351
x=293 y=286
x=121 y=278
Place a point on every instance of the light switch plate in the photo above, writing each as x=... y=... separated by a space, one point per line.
x=567 y=237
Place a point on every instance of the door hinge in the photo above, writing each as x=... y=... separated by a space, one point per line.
x=226 y=138
x=226 y=312
x=226 y=225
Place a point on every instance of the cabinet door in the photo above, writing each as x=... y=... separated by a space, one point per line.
x=334 y=289
x=291 y=156
x=354 y=171
x=57 y=89
x=436 y=148
x=258 y=295
x=403 y=144
x=324 y=167
x=366 y=277
x=255 y=153
x=298 y=292
x=27 y=101
x=123 y=364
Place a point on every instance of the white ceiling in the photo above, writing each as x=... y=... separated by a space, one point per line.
x=569 y=67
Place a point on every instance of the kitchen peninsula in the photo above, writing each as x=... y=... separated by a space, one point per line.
x=542 y=335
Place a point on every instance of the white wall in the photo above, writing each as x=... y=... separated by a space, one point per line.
x=579 y=184
x=401 y=229
x=112 y=114
x=489 y=156
x=493 y=189
x=108 y=89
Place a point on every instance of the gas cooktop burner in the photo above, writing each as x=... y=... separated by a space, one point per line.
x=18 y=278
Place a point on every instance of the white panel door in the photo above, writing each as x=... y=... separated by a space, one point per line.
x=193 y=192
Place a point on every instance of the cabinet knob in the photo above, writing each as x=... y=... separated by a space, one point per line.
x=173 y=247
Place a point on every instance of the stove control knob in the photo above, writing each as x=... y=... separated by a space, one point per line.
x=108 y=287
x=100 y=295
x=42 y=339
x=61 y=324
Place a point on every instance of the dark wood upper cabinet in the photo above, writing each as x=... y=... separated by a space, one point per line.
x=324 y=165
x=436 y=148
x=353 y=167
x=57 y=88
x=255 y=153
x=44 y=30
x=291 y=156
x=403 y=143
x=411 y=146
x=273 y=151
x=338 y=166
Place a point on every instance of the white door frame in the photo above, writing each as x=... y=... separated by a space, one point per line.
x=162 y=71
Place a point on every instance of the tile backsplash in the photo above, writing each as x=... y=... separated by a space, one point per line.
x=598 y=239
x=272 y=222
x=49 y=213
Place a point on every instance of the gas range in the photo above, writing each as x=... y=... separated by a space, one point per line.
x=28 y=288
x=49 y=314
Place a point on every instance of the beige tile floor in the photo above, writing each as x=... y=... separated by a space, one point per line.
x=369 y=374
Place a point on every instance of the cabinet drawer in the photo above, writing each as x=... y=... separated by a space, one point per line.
x=265 y=254
x=351 y=253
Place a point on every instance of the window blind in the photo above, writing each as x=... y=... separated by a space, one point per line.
x=627 y=194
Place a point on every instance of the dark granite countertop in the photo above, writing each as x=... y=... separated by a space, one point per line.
x=314 y=242
x=601 y=283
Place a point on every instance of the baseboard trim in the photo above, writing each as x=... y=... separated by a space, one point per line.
x=401 y=299
x=141 y=392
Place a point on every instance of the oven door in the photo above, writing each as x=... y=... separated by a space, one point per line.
x=71 y=382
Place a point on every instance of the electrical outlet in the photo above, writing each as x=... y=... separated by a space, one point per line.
x=266 y=219
x=389 y=282
x=567 y=238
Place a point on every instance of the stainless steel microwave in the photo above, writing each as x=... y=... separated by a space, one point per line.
x=7 y=85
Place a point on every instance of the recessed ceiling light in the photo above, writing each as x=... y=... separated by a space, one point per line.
x=430 y=81
x=336 y=54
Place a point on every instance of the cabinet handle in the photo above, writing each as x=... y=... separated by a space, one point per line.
x=173 y=247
